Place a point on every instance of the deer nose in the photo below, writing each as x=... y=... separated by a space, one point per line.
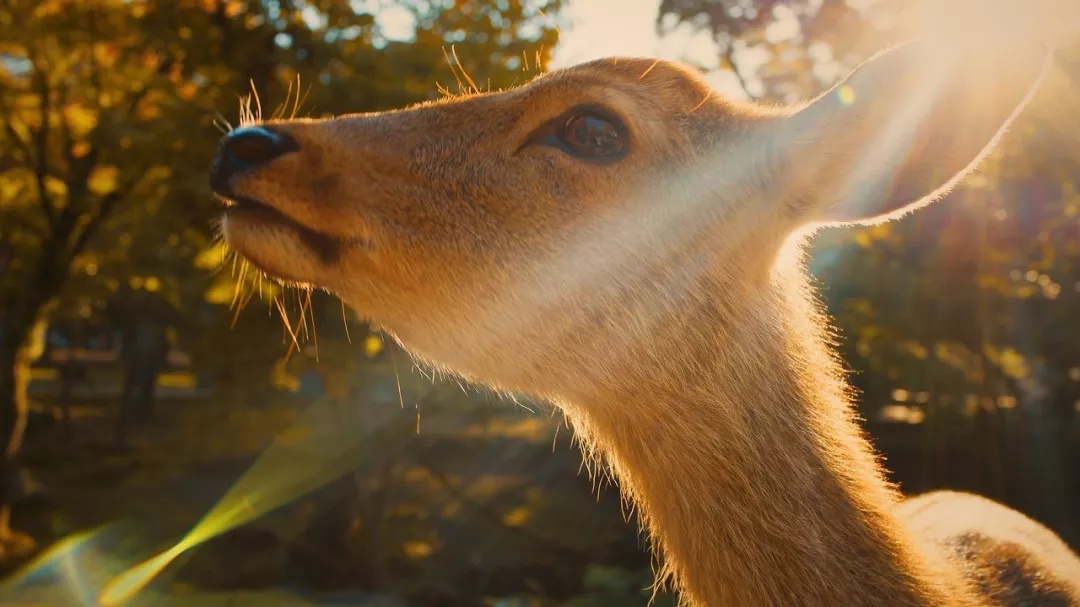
x=244 y=149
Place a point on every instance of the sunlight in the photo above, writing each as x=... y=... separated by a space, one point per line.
x=396 y=22
x=125 y=586
x=610 y=242
x=893 y=140
x=607 y=28
x=784 y=27
x=628 y=28
x=59 y=561
x=316 y=450
x=940 y=61
x=958 y=22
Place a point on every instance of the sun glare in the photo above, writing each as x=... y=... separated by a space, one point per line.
x=319 y=448
x=608 y=28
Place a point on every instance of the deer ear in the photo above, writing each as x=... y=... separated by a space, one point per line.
x=902 y=129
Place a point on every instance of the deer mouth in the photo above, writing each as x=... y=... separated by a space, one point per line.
x=252 y=213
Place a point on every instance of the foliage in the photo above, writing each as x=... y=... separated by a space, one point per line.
x=799 y=39
x=107 y=123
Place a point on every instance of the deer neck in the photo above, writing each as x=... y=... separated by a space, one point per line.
x=752 y=477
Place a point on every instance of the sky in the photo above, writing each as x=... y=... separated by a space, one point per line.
x=603 y=28
x=598 y=28
x=607 y=27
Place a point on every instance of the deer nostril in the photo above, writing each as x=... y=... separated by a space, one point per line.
x=255 y=145
x=247 y=148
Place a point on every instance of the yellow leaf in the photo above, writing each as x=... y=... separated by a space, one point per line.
x=81 y=120
x=103 y=179
x=106 y=54
x=188 y=90
x=56 y=187
x=517 y=517
x=211 y=257
x=148 y=111
x=221 y=293
x=372 y=345
x=915 y=349
x=234 y=8
x=417 y=550
x=9 y=188
x=1013 y=364
x=48 y=8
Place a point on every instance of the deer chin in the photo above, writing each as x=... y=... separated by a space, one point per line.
x=278 y=245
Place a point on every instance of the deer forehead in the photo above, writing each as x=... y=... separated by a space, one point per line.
x=653 y=98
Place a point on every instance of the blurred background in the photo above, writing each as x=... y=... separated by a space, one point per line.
x=144 y=376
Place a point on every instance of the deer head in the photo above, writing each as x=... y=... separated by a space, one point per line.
x=528 y=239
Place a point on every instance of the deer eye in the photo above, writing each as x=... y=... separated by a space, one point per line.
x=588 y=134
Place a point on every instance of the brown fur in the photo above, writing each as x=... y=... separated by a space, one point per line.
x=660 y=302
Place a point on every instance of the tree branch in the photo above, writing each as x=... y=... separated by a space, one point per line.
x=163 y=68
x=66 y=142
x=105 y=208
x=17 y=139
x=14 y=219
x=729 y=57
x=23 y=144
x=41 y=163
x=67 y=227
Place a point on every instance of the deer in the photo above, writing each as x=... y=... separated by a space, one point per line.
x=618 y=239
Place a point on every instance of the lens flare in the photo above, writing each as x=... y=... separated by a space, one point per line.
x=321 y=447
x=62 y=560
x=122 y=588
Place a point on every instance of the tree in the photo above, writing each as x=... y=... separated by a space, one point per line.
x=85 y=86
x=60 y=179
x=780 y=49
x=105 y=116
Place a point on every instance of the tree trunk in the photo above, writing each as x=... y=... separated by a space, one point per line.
x=22 y=337
x=16 y=354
